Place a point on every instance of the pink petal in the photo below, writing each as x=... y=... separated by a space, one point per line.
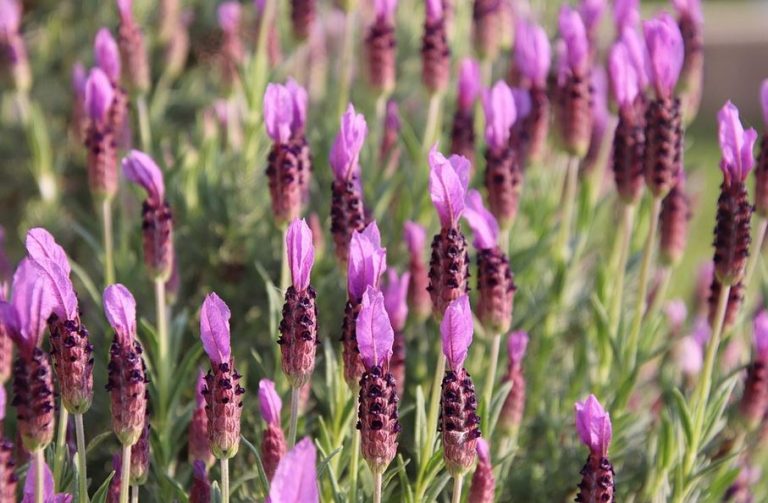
x=98 y=95
x=125 y=7
x=278 y=112
x=689 y=356
x=593 y=425
x=269 y=402
x=689 y=8
x=482 y=221
x=2 y=402
x=301 y=253
x=533 y=52
x=456 y=330
x=367 y=261
x=345 y=152
x=764 y=101
x=638 y=54
x=120 y=309
x=623 y=75
x=676 y=312
x=396 y=298
x=300 y=99
x=415 y=237
x=140 y=168
x=58 y=289
x=626 y=14
x=469 y=83
x=574 y=34
x=592 y=12
x=448 y=181
x=228 y=15
x=434 y=10
x=41 y=245
x=761 y=333
x=517 y=343
x=522 y=98
x=666 y=52
x=385 y=9
x=106 y=54
x=483 y=451
x=295 y=479
x=29 y=484
x=735 y=144
x=214 y=329
x=32 y=302
x=10 y=16
x=500 y=114
x=374 y=330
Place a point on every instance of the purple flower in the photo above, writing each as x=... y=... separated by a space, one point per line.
x=593 y=424
x=373 y=330
x=278 y=112
x=25 y=317
x=735 y=144
x=626 y=14
x=469 y=83
x=456 y=331
x=367 y=261
x=10 y=17
x=345 y=152
x=574 y=34
x=638 y=54
x=764 y=101
x=269 y=402
x=689 y=356
x=761 y=334
x=385 y=9
x=676 y=312
x=396 y=298
x=482 y=221
x=448 y=182
x=592 y=12
x=392 y=116
x=99 y=94
x=623 y=75
x=41 y=245
x=228 y=15
x=140 y=168
x=125 y=8
x=689 y=8
x=301 y=253
x=106 y=54
x=533 y=53
x=517 y=343
x=49 y=496
x=701 y=331
x=415 y=237
x=666 y=53
x=500 y=114
x=523 y=103
x=2 y=402
x=52 y=262
x=434 y=10
x=199 y=387
x=120 y=309
x=300 y=100
x=483 y=450
x=214 y=329
x=295 y=479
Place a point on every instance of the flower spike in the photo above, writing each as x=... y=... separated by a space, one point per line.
x=736 y=145
x=269 y=402
x=448 y=182
x=214 y=329
x=374 y=330
x=456 y=329
x=593 y=424
x=301 y=253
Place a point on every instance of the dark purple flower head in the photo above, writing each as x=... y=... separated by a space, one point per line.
x=120 y=309
x=415 y=237
x=373 y=330
x=52 y=262
x=626 y=14
x=689 y=8
x=285 y=110
x=269 y=402
x=482 y=221
x=764 y=101
x=592 y=12
x=523 y=102
x=396 y=298
x=517 y=343
x=228 y=15
x=433 y=10
x=10 y=17
x=760 y=334
x=638 y=54
x=140 y=168
x=214 y=329
x=385 y=9
x=25 y=316
x=295 y=479
x=106 y=54
x=367 y=261
x=345 y=152
x=448 y=182
x=469 y=83
x=456 y=331
x=49 y=494
x=735 y=144
x=99 y=94
x=199 y=387
x=593 y=424
x=533 y=53
x=574 y=34
x=623 y=75
x=500 y=114
x=666 y=53
x=301 y=253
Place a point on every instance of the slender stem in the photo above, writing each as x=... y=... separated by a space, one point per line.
x=434 y=409
x=285 y=271
x=458 y=483
x=106 y=223
x=295 y=393
x=134 y=494
x=433 y=121
x=569 y=195
x=377 y=481
x=619 y=266
x=61 y=447
x=144 y=128
x=754 y=253
x=491 y=376
x=81 y=465
x=39 y=476
x=163 y=364
x=125 y=474
x=642 y=288
x=347 y=51
x=661 y=291
x=225 y=480
x=353 y=465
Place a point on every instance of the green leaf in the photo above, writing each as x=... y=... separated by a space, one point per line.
x=96 y=441
x=263 y=479
x=686 y=422
x=100 y=496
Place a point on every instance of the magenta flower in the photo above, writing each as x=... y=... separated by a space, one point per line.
x=623 y=75
x=52 y=262
x=764 y=101
x=214 y=329
x=269 y=402
x=533 y=53
x=295 y=480
x=689 y=8
x=625 y=14
x=500 y=114
x=523 y=103
x=25 y=317
x=592 y=12
x=415 y=237
x=99 y=94
x=482 y=221
x=285 y=110
x=42 y=246
x=228 y=16
x=10 y=17
x=448 y=182
x=456 y=331
x=345 y=152
x=666 y=53
x=125 y=8
x=385 y=9
x=301 y=253
x=373 y=330
x=517 y=343
x=638 y=54
x=469 y=83
x=120 y=310
x=367 y=261
x=299 y=102
x=676 y=312
x=434 y=10
x=49 y=495
x=574 y=35
x=760 y=334
x=735 y=144
x=106 y=54
x=593 y=424
x=140 y=168
x=396 y=298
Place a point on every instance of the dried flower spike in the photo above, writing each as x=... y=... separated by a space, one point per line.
x=100 y=136
x=483 y=486
x=512 y=411
x=761 y=168
x=593 y=425
x=273 y=445
x=132 y=49
x=463 y=126
x=296 y=475
x=199 y=447
x=533 y=58
x=435 y=51
x=415 y=237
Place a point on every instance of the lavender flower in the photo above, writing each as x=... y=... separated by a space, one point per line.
x=273 y=440
x=483 y=486
x=8 y=478
x=463 y=127
x=13 y=52
x=132 y=50
x=100 y=137
x=514 y=405
x=593 y=425
x=380 y=45
x=201 y=486
x=303 y=14
x=592 y=12
x=690 y=20
x=665 y=48
x=533 y=58
x=761 y=168
x=49 y=494
x=389 y=150
x=396 y=303
x=673 y=223
x=435 y=51
x=295 y=479
x=415 y=237
x=198 y=446
x=107 y=55
x=486 y=28
x=625 y=14
x=755 y=398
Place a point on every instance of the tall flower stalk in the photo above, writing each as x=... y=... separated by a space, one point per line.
x=435 y=65
x=533 y=55
x=134 y=59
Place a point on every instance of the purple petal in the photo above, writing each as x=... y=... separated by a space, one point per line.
x=2 y=402
x=345 y=152
x=574 y=34
x=761 y=334
x=392 y=117
x=593 y=424
x=300 y=100
x=79 y=78
x=367 y=261
x=125 y=7
x=295 y=480
x=626 y=14
x=482 y=221
x=666 y=53
x=533 y=52
x=199 y=471
x=120 y=309
x=10 y=16
x=483 y=451
x=99 y=94
x=415 y=237
x=764 y=101
x=517 y=343
x=228 y=15
x=32 y=302
x=456 y=330
x=523 y=105
x=9 y=320
x=385 y=9
x=434 y=10
x=396 y=298
x=500 y=114
x=41 y=245
x=29 y=484
x=448 y=182
x=301 y=253
x=58 y=290
x=469 y=83
x=106 y=54
x=214 y=329
x=269 y=402
x=638 y=54
x=701 y=331
x=200 y=385
x=278 y=112
x=689 y=356
x=735 y=144
x=623 y=75
x=676 y=312
x=374 y=331
x=140 y=168
x=592 y=12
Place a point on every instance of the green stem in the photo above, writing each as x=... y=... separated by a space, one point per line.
x=645 y=269
x=125 y=474
x=754 y=253
x=295 y=393
x=458 y=483
x=346 y=61
x=39 y=476
x=134 y=494
x=619 y=265
x=434 y=410
x=285 y=270
x=570 y=185
x=61 y=447
x=353 y=465
x=491 y=376
x=106 y=227
x=433 y=121
x=144 y=128
x=377 y=481
x=81 y=468
x=661 y=291
x=225 y=480
x=163 y=364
